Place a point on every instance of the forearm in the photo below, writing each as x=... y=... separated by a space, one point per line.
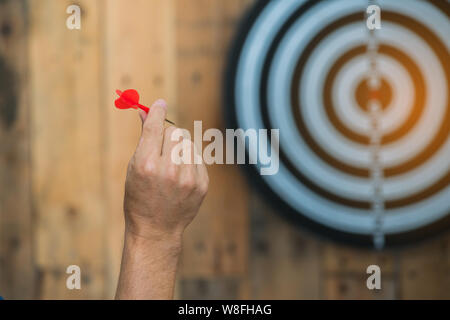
x=149 y=266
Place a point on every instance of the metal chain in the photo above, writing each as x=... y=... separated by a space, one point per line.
x=376 y=170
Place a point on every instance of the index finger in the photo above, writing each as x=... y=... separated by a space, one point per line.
x=153 y=131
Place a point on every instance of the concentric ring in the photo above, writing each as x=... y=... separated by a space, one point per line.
x=317 y=183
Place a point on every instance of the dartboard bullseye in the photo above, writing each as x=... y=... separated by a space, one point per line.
x=306 y=68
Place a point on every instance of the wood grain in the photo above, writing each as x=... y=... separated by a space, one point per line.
x=66 y=124
x=285 y=262
x=17 y=272
x=425 y=270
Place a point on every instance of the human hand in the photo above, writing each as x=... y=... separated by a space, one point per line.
x=161 y=197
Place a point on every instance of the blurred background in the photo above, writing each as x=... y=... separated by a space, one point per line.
x=64 y=149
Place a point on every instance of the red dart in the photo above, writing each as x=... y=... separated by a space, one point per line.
x=130 y=99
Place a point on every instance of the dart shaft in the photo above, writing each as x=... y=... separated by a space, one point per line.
x=146 y=109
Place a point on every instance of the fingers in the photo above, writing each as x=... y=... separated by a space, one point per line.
x=170 y=141
x=188 y=150
x=180 y=152
x=178 y=141
x=151 y=142
x=191 y=165
x=188 y=171
x=202 y=172
x=178 y=148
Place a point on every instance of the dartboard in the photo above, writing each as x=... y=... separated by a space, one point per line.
x=302 y=67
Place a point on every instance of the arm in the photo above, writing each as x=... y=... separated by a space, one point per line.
x=161 y=199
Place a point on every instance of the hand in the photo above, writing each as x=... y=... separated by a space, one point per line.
x=161 y=197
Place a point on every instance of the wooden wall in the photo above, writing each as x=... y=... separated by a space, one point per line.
x=64 y=151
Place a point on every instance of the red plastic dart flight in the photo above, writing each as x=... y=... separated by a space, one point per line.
x=129 y=99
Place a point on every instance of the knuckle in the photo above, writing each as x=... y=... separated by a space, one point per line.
x=146 y=169
x=204 y=188
x=171 y=174
x=188 y=183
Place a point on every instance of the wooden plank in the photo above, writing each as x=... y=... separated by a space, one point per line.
x=346 y=259
x=138 y=53
x=17 y=276
x=345 y=277
x=229 y=288
x=66 y=118
x=216 y=243
x=344 y=272
x=425 y=270
x=420 y=271
x=285 y=262
x=353 y=287
x=51 y=283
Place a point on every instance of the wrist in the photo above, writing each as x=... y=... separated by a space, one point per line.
x=145 y=237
